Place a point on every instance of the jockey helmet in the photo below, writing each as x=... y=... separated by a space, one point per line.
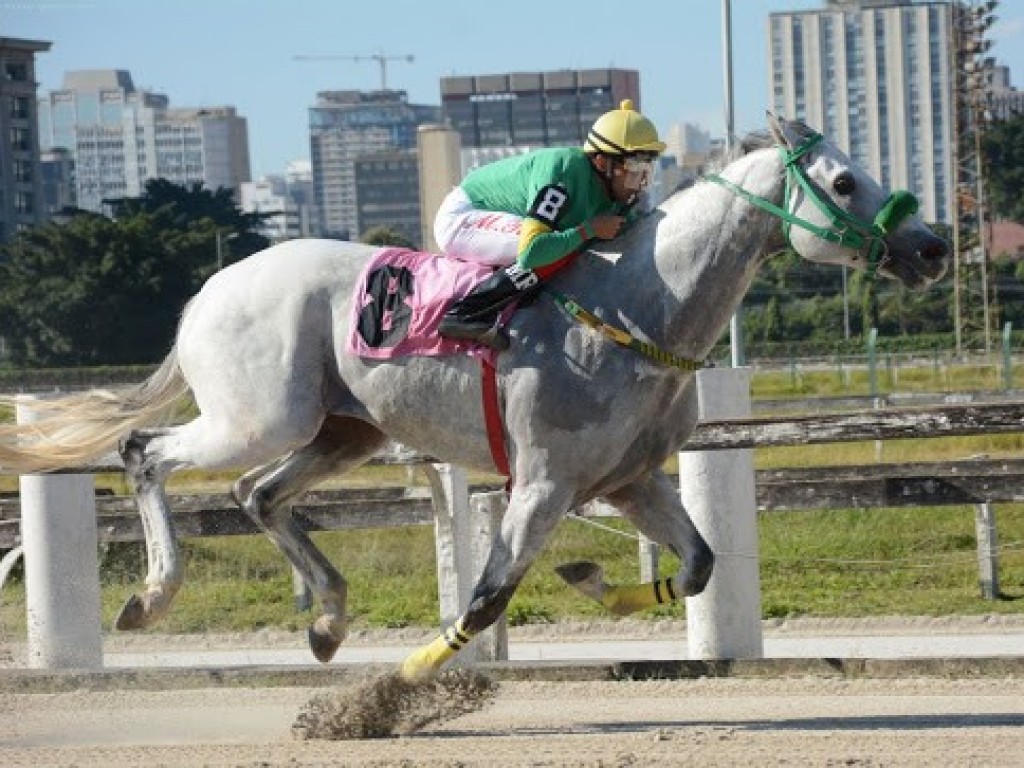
x=623 y=131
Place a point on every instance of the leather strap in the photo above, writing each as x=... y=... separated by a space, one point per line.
x=492 y=416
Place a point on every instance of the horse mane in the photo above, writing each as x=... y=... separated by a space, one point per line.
x=750 y=142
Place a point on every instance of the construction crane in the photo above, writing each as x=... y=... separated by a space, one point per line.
x=380 y=57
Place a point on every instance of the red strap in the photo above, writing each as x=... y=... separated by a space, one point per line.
x=489 y=388
x=492 y=416
x=556 y=266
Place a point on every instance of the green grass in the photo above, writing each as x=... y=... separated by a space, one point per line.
x=835 y=563
x=813 y=563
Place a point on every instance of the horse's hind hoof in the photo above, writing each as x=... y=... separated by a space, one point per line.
x=585 y=576
x=322 y=645
x=133 y=615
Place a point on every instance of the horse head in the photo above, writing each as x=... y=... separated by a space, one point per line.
x=835 y=212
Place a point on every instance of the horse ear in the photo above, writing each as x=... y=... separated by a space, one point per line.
x=775 y=126
x=781 y=131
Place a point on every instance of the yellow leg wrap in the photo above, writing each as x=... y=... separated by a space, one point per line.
x=423 y=663
x=624 y=600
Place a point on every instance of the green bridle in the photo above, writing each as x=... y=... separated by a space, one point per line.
x=844 y=229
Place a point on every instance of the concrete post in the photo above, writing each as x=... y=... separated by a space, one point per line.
x=62 y=587
x=988 y=550
x=463 y=532
x=648 y=553
x=717 y=487
x=452 y=540
x=486 y=510
x=301 y=592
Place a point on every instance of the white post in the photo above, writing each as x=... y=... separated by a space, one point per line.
x=648 y=552
x=62 y=587
x=487 y=509
x=301 y=592
x=717 y=488
x=452 y=539
x=988 y=550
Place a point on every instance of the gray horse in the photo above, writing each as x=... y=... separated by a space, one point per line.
x=586 y=414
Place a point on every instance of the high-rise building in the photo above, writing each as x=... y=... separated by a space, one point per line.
x=20 y=184
x=57 y=177
x=1004 y=101
x=537 y=109
x=875 y=77
x=120 y=137
x=364 y=173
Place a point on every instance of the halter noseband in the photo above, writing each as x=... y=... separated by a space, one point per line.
x=844 y=228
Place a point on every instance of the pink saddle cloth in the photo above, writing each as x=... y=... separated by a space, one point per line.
x=400 y=298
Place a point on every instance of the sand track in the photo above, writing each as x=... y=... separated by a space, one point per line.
x=807 y=721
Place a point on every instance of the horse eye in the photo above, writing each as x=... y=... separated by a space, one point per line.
x=844 y=184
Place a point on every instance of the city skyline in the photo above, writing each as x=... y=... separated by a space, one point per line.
x=241 y=54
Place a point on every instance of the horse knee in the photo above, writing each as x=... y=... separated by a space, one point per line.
x=696 y=571
x=486 y=606
x=258 y=503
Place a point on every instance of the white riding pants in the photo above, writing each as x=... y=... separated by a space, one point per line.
x=465 y=233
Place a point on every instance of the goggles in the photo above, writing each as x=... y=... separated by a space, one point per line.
x=638 y=170
x=638 y=164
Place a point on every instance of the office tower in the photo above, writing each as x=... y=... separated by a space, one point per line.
x=20 y=184
x=57 y=180
x=534 y=109
x=875 y=77
x=363 y=151
x=121 y=137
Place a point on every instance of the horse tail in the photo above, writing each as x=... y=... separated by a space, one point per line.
x=82 y=429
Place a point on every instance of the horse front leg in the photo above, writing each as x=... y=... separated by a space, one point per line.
x=147 y=473
x=652 y=504
x=533 y=513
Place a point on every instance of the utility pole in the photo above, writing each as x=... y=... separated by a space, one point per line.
x=736 y=322
x=380 y=57
x=970 y=21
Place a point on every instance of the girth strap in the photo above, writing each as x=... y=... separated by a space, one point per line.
x=492 y=416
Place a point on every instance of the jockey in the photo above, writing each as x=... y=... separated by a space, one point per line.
x=526 y=214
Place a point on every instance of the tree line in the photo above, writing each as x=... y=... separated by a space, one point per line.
x=89 y=289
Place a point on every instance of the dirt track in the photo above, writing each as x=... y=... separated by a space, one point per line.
x=809 y=721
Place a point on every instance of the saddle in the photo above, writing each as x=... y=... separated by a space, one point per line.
x=401 y=296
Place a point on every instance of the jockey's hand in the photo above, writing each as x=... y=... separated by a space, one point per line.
x=607 y=225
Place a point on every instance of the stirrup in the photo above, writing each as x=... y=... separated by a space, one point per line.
x=484 y=333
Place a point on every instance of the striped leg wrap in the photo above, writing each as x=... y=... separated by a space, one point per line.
x=456 y=637
x=624 y=600
x=425 y=662
x=663 y=589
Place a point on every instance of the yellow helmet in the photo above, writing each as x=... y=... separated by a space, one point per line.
x=623 y=131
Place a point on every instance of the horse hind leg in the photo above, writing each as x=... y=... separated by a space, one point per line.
x=150 y=456
x=147 y=473
x=266 y=493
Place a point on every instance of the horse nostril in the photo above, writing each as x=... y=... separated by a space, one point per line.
x=936 y=250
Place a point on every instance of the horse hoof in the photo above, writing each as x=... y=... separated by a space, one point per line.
x=584 y=576
x=322 y=644
x=133 y=615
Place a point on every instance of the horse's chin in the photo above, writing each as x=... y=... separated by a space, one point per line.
x=914 y=274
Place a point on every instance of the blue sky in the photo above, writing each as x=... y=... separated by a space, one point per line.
x=239 y=52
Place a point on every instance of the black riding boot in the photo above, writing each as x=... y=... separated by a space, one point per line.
x=475 y=316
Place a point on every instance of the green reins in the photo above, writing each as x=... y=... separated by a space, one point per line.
x=844 y=229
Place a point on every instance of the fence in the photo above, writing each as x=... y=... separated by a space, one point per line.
x=460 y=534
